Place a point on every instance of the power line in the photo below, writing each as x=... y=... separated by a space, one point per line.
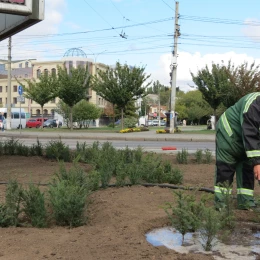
x=168 y=5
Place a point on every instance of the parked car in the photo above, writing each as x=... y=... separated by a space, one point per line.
x=51 y=123
x=34 y=122
x=162 y=123
x=150 y=122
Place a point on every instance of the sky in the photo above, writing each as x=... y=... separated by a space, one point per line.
x=140 y=33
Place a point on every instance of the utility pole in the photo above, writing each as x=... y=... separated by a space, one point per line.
x=8 y=105
x=174 y=68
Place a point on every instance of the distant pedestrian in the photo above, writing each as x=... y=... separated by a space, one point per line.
x=2 y=122
x=57 y=122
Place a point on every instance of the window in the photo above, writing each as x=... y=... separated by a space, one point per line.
x=14 y=100
x=6 y=88
x=46 y=72
x=45 y=111
x=1 y=102
x=1 y=89
x=38 y=112
x=22 y=115
x=15 y=115
x=38 y=73
x=20 y=65
x=26 y=64
x=15 y=88
x=53 y=72
x=52 y=112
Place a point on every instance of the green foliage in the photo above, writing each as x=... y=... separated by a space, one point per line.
x=208 y=156
x=199 y=156
x=36 y=149
x=13 y=199
x=172 y=175
x=243 y=79
x=121 y=85
x=57 y=150
x=68 y=203
x=182 y=157
x=210 y=226
x=5 y=219
x=93 y=180
x=34 y=206
x=84 y=112
x=75 y=175
x=180 y=215
x=73 y=86
x=130 y=122
x=41 y=90
x=10 y=146
x=226 y=207
x=210 y=83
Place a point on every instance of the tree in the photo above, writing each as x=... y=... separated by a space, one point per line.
x=84 y=112
x=242 y=80
x=121 y=85
x=41 y=91
x=211 y=84
x=192 y=106
x=73 y=86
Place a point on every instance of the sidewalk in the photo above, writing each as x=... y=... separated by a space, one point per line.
x=137 y=136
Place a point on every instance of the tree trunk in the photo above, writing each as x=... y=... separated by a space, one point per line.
x=71 y=120
x=42 y=118
x=114 y=116
x=122 y=118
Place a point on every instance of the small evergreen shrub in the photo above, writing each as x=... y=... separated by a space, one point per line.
x=13 y=199
x=5 y=219
x=199 y=156
x=208 y=156
x=36 y=149
x=93 y=180
x=130 y=122
x=10 y=146
x=34 y=206
x=68 y=203
x=182 y=157
x=57 y=150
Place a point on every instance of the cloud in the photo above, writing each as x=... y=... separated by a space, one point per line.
x=252 y=32
x=192 y=62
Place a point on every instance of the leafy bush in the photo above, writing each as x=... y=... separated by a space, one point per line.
x=10 y=146
x=57 y=150
x=208 y=156
x=172 y=175
x=130 y=122
x=34 y=206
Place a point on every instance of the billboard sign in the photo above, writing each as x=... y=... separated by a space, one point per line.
x=16 y=7
x=17 y=15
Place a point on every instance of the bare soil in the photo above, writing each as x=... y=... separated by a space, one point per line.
x=118 y=218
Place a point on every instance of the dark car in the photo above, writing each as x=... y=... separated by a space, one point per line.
x=51 y=123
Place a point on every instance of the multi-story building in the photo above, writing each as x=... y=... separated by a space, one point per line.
x=31 y=68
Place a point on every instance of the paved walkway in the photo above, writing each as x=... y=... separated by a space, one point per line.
x=142 y=136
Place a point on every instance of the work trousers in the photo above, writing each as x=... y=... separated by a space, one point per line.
x=230 y=159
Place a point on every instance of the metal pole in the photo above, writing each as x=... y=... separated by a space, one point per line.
x=8 y=105
x=20 y=126
x=174 y=68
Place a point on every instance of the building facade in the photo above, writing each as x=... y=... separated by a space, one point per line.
x=31 y=68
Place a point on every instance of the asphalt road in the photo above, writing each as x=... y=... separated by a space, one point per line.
x=155 y=146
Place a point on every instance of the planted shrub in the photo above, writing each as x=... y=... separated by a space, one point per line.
x=180 y=215
x=172 y=175
x=93 y=180
x=121 y=174
x=36 y=149
x=134 y=173
x=130 y=122
x=5 y=219
x=182 y=157
x=10 y=146
x=199 y=156
x=13 y=199
x=22 y=150
x=57 y=150
x=68 y=203
x=34 y=206
x=210 y=227
x=208 y=156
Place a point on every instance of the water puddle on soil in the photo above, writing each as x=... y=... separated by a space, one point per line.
x=245 y=244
